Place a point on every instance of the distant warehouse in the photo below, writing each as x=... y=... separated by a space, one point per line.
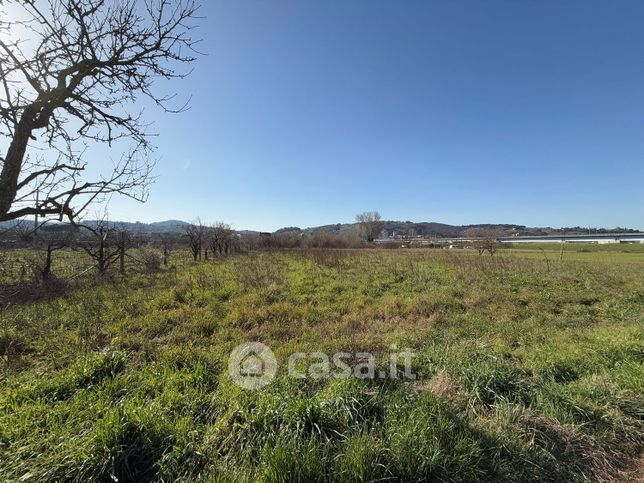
x=598 y=238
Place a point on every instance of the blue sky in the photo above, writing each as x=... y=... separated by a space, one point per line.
x=308 y=112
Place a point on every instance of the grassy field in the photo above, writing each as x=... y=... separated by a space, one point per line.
x=530 y=367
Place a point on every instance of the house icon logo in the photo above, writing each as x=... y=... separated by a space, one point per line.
x=252 y=365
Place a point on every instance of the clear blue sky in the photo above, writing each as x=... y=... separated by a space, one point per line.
x=307 y=112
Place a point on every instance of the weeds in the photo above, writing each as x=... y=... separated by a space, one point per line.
x=525 y=371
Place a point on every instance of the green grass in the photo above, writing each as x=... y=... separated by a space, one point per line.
x=527 y=369
x=581 y=247
x=590 y=252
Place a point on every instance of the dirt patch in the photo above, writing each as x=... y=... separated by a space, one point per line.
x=444 y=385
x=633 y=472
x=27 y=293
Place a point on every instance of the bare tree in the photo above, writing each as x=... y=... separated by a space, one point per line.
x=487 y=245
x=371 y=224
x=227 y=238
x=195 y=232
x=103 y=244
x=212 y=239
x=48 y=243
x=221 y=239
x=39 y=259
x=71 y=73
x=168 y=243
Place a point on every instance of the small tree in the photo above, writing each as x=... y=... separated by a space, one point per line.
x=371 y=224
x=103 y=244
x=488 y=245
x=224 y=236
x=195 y=233
x=45 y=244
x=221 y=239
x=149 y=259
x=168 y=242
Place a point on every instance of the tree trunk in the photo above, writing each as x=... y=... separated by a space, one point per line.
x=101 y=257
x=122 y=254
x=13 y=160
x=46 y=271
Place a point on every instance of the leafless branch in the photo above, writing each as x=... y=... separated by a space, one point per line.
x=76 y=82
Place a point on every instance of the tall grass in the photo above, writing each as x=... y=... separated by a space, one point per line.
x=526 y=371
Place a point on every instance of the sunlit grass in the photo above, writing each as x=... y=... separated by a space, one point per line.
x=527 y=369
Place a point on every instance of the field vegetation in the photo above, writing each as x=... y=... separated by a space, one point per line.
x=529 y=367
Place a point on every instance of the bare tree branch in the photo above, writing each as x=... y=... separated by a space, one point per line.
x=75 y=81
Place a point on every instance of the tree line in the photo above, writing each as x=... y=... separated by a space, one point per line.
x=108 y=246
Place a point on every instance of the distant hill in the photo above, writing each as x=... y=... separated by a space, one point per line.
x=404 y=228
x=168 y=226
x=442 y=230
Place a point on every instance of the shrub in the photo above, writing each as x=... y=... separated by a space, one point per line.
x=150 y=259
